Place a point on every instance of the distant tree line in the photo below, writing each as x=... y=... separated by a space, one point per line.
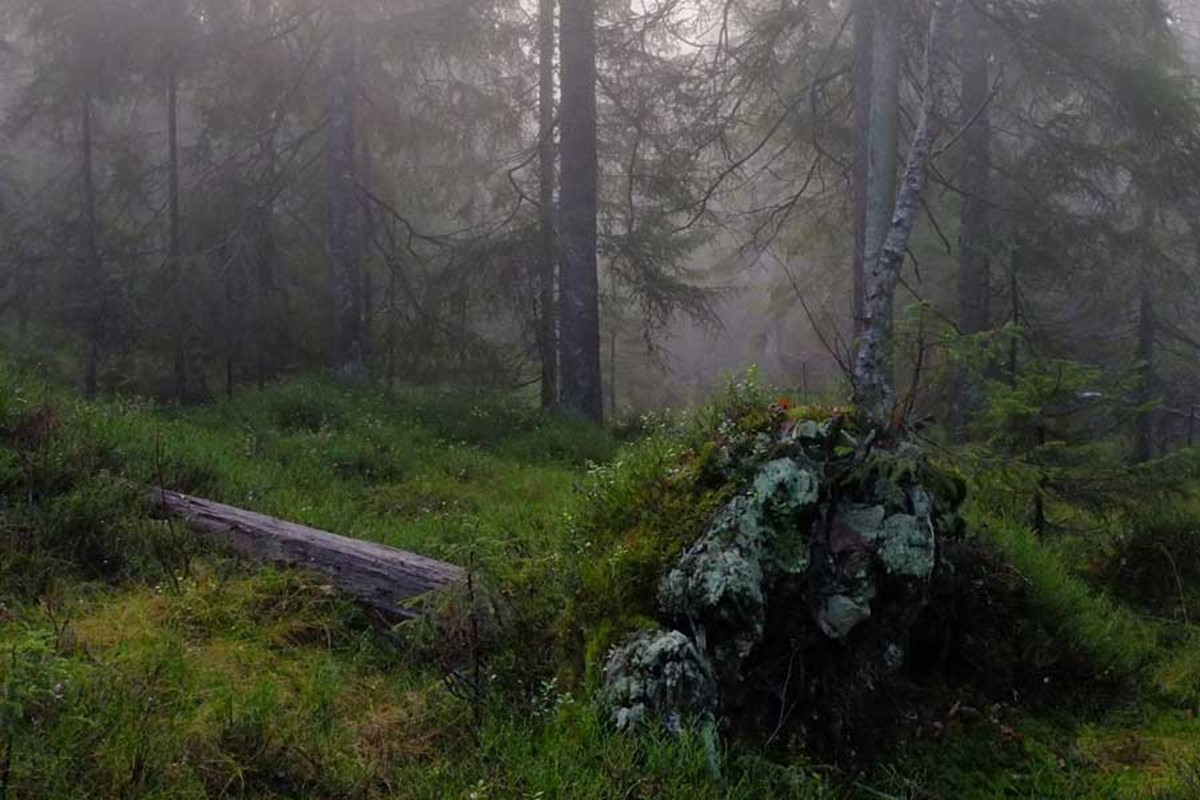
x=200 y=194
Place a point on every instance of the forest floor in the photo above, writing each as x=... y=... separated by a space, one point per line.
x=134 y=663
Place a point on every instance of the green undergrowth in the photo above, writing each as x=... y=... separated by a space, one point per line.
x=136 y=663
x=266 y=685
x=440 y=472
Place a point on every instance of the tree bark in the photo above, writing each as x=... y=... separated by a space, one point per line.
x=1016 y=262
x=974 y=280
x=263 y=326
x=182 y=324
x=579 y=302
x=1146 y=332
x=864 y=17
x=345 y=223
x=547 y=243
x=1144 y=435
x=93 y=281
x=873 y=380
x=879 y=65
x=883 y=122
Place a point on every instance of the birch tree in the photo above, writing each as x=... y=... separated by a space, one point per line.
x=874 y=383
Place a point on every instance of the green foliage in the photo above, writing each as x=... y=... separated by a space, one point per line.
x=818 y=532
x=1154 y=564
x=1113 y=636
x=199 y=678
x=642 y=510
x=1049 y=450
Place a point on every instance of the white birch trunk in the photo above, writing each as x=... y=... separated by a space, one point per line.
x=873 y=381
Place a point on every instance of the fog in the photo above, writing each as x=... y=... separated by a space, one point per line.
x=364 y=188
x=703 y=399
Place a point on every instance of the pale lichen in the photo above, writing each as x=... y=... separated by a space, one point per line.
x=839 y=614
x=663 y=673
x=907 y=546
x=830 y=537
x=722 y=580
x=905 y=543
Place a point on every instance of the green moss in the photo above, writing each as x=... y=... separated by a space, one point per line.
x=824 y=531
x=187 y=675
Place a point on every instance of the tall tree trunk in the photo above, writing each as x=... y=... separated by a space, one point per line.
x=1146 y=332
x=975 y=225
x=93 y=281
x=579 y=310
x=368 y=222
x=345 y=217
x=877 y=77
x=873 y=380
x=864 y=17
x=882 y=132
x=234 y=319
x=1144 y=434
x=1014 y=295
x=182 y=324
x=264 y=325
x=547 y=246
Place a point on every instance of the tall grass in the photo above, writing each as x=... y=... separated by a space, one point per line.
x=1110 y=634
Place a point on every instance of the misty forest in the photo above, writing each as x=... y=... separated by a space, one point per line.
x=701 y=399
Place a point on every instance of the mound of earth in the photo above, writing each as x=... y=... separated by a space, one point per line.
x=812 y=595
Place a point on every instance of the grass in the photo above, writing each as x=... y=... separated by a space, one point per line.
x=429 y=471
x=135 y=664
x=1110 y=634
x=263 y=685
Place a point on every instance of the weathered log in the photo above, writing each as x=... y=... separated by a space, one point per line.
x=380 y=576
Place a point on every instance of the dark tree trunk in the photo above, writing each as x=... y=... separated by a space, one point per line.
x=579 y=303
x=345 y=217
x=1144 y=435
x=390 y=335
x=883 y=120
x=93 y=281
x=263 y=326
x=1039 y=521
x=262 y=269
x=547 y=245
x=975 y=225
x=1191 y=423
x=1014 y=314
x=864 y=16
x=975 y=230
x=182 y=326
x=233 y=316
x=873 y=380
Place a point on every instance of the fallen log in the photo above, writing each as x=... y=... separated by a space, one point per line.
x=380 y=576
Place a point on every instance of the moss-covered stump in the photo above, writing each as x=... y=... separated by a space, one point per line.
x=792 y=611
